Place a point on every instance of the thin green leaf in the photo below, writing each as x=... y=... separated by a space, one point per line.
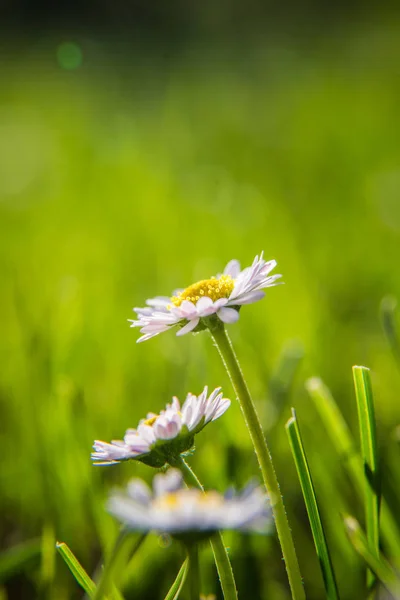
x=281 y=381
x=179 y=582
x=16 y=558
x=343 y=441
x=367 y=425
x=377 y=563
x=76 y=569
x=113 y=565
x=115 y=594
x=388 y=309
x=310 y=499
x=47 y=569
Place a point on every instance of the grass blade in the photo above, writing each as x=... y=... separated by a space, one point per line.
x=387 y=310
x=310 y=499
x=14 y=559
x=178 y=584
x=47 y=567
x=343 y=441
x=76 y=569
x=123 y=545
x=367 y=425
x=376 y=563
x=281 y=381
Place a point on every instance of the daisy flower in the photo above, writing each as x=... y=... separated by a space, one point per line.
x=222 y=296
x=188 y=513
x=158 y=439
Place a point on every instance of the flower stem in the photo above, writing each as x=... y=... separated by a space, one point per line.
x=194 y=571
x=221 y=557
x=252 y=420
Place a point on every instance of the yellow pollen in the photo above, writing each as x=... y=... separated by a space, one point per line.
x=176 y=500
x=150 y=421
x=212 y=288
x=170 y=500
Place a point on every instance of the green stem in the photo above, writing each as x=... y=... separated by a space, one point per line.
x=252 y=420
x=194 y=572
x=221 y=557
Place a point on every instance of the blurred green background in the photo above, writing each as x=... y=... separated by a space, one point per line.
x=127 y=170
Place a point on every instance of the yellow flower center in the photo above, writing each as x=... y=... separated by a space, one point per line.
x=211 y=288
x=175 y=500
x=151 y=420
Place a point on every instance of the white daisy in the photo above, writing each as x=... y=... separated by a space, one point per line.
x=171 y=508
x=160 y=438
x=221 y=296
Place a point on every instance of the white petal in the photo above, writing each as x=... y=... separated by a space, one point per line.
x=163 y=483
x=269 y=266
x=159 y=301
x=108 y=454
x=223 y=406
x=220 y=302
x=186 y=310
x=167 y=429
x=232 y=268
x=146 y=337
x=228 y=315
x=136 y=442
x=205 y=307
x=188 y=327
x=138 y=490
x=248 y=298
x=146 y=433
x=204 y=302
x=128 y=511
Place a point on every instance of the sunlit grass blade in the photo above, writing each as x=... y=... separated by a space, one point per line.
x=179 y=582
x=387 y=310
x=76 y=569
x=114 y=564
x=310 y=499
x=283 y=377
x=344 y=443
x=376 y=563
x=16 y=558
x=47 y=569
x=367 y=425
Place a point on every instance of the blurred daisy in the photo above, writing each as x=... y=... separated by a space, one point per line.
x=160 y=438
x=221 y=296
x=188 y=513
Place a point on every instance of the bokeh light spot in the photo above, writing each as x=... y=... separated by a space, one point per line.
x=69 y=56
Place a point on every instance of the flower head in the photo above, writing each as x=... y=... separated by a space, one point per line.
x=188 y=512
x=221 y=296
x=160 y=438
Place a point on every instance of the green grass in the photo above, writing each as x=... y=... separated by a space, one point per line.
x=120 y=184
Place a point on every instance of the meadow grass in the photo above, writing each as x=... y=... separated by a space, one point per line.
x=121 y=184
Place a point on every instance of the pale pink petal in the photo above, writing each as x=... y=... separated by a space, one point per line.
x=188 y=327
x=222 y=406
x=228 y=315
x=158 y=301
x=232 y=268
x=204 y=304
x=166 y=483
x=146 y=432
x=187 y=310
x=248 y=298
